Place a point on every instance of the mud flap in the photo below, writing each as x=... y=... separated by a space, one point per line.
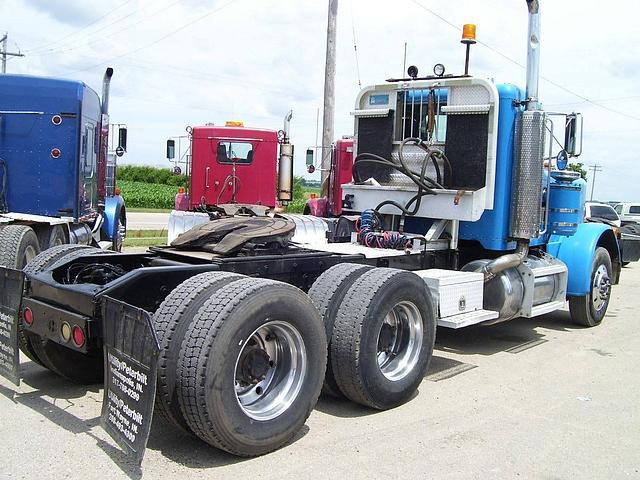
x=11 y=285
x=130 y=358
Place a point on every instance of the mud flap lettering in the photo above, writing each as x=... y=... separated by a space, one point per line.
x=11 y=284
x=130 y=359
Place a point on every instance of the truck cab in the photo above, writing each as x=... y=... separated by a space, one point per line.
x=233 y=164
x=54 y=167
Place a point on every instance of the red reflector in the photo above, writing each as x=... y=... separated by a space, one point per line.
x=55 y=152
x=27 y=316
x=56 y=119
x=78 y=336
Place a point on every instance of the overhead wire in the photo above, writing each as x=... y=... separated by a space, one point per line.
x=355 y=45
x=45 y=46
x=546 y=79
x=75 y=44
x=158 y=40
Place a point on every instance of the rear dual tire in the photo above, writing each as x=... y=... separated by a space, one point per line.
x=382 y=331
x=251 y=366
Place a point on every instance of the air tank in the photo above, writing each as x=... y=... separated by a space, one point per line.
x=566 y=202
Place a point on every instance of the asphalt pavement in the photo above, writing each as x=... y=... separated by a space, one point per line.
x=147 y=221
x=531 y=398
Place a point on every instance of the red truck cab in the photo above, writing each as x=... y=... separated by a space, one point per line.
x=233 y=164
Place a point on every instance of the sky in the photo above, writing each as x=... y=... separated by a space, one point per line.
x=190 y=62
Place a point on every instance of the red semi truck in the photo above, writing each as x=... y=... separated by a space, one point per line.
x=234 y=166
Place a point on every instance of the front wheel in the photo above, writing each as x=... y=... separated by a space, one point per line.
x=589 y=310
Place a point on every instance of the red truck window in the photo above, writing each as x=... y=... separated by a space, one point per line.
x=235 y=152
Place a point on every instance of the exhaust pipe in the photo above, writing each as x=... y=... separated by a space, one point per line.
x=533 y=55
x=106 y=82
x=528 y=153
x=285 y=164
x=287 y=125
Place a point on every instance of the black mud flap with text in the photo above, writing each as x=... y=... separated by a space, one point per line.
x=130 y=359
x=11 y=285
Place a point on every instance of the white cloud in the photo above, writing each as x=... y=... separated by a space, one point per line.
x=255 y=59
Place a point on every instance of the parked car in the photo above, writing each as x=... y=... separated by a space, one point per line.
x=628 y=235
x=629 y=213
x=602 y=213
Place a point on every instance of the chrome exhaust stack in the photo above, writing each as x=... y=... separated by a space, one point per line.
x=106 y=83
x=526 y=190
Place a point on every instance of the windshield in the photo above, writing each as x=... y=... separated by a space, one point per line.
x=603 y=211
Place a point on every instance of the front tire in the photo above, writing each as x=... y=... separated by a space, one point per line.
x=589 y=310
x=251 y=366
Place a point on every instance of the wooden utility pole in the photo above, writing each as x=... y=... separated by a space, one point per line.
x=594 y=168
x=329 y=94
x=4 y=54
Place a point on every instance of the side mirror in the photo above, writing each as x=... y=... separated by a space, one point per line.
x=573 y=135
x=122 y=138
x=309 y=156
x=171 y=149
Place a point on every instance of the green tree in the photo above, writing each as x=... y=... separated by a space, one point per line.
x=578 y=167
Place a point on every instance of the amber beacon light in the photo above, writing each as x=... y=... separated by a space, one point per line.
x=468 y=38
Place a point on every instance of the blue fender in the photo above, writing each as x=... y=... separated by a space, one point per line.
x=578 y=250
x=113 y=210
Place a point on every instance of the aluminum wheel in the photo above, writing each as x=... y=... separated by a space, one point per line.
x=270 y=370
x=400 y=341
x=601 y=288
x=29 y=254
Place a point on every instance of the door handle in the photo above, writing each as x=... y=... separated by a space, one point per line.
x=206 y=177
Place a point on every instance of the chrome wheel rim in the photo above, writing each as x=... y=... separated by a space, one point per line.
x=601 y=288
x=400 y=341
x=29 y=254
x=270 y=370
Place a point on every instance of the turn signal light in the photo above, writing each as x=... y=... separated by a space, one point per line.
x=468 y=33
x=78 y=336
x=27 y=316
x=65 y=331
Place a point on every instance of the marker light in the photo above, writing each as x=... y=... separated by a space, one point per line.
x=65 y=331
x=234 y=123
x=55 y=152
x=56 y=119
x=468 y=33
x=78 y=336
x=27 y=316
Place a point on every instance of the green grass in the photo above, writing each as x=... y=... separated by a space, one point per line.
x=148 y=195
x=145 y=238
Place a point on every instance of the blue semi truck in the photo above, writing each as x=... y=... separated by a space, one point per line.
x=460 y=213
x=57 y=178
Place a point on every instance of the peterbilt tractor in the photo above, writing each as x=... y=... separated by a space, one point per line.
x=57 y=178
x=459 y=213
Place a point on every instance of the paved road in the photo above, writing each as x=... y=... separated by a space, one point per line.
x=147 y=221
x=533 y=398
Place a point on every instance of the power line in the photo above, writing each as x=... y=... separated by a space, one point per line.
x=173 y=32
x=74 y=44
x=355 y=44
x=546 y=79
x=75 y=32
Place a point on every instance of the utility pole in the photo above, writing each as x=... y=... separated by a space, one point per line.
x=5 y=54
x=594 y=168
x=329 y=95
